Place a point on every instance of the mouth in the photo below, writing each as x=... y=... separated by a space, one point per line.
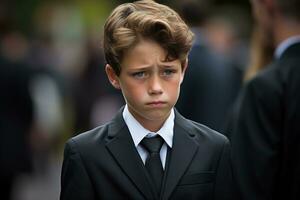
x=156 y=103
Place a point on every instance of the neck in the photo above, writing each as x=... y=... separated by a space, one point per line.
x=284 y=29
x=152 y=125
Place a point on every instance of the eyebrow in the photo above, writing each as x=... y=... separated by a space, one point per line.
x=140 y=68
x=146 y=67
x=149 y=67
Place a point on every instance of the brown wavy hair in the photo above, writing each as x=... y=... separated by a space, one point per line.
x=130 y=23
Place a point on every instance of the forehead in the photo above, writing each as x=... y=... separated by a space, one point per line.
x=149 y=47
x=146 y=52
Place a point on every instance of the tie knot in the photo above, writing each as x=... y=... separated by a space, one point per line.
x=153 y=144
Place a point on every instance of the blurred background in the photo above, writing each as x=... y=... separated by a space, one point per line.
x=54 y=86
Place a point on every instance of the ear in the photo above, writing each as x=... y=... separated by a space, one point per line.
x=112 y=76
x=184 y=67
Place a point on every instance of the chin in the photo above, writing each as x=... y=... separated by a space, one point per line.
x=158 y=115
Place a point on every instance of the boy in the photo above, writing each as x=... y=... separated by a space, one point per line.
x=146 y=47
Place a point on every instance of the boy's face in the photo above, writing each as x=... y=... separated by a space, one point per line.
x=150 y=85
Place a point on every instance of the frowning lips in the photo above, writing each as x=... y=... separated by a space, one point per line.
x=156 y=103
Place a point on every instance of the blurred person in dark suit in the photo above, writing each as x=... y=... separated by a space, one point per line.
x=93 y=104
x=261 y=55
x=266 y=136
x=210 y=85
x=16 y=115
x=16 y=105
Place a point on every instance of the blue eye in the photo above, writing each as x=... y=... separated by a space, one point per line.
x=139 y=74
x=168 y=72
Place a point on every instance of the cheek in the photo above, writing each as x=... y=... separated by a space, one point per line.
x=134 y=92
x=138 y=93
x=174 y=88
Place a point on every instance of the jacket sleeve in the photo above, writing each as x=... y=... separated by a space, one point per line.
x=256 y=140
x=224 y=185
x=75 y=181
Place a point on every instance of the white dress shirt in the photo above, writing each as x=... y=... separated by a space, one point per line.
x=286 y=44
x=138 y=132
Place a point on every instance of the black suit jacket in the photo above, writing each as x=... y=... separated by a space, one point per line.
x=16 y=116
x=266 y=140
x=104 y=164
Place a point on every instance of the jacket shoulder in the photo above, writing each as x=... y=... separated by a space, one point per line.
x=202 y=132
x=88 y=139
x=205 y=131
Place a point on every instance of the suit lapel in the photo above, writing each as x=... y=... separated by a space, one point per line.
x=183 y=151
x=122 y=148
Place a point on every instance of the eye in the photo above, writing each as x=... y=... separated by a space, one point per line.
x=139 y=75
x=168 y=72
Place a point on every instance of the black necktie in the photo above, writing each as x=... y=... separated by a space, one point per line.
x=153 y=163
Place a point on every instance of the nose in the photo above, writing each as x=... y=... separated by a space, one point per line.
x=155 y=85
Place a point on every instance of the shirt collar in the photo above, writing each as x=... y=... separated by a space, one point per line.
x=286 y=44
x=138 y=132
